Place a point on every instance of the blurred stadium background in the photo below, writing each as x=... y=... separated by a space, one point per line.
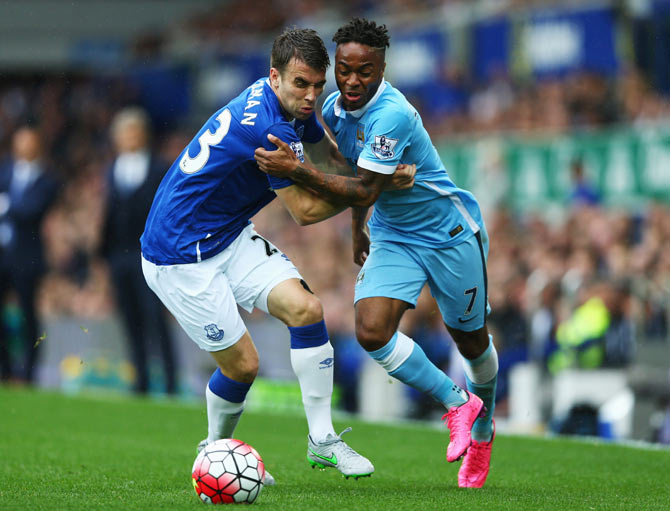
x=555 y=114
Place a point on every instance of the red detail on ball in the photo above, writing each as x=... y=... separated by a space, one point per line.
x=229 y=483
x=242 y=448
x=224 y=488
x=210 y=481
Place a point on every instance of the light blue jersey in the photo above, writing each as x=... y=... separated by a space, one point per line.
x=388 y=131
x=214 y=187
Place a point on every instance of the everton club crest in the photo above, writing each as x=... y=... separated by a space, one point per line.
x=214 y=333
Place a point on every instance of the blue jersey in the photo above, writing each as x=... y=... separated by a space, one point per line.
x=388 y=131
x=214 y=187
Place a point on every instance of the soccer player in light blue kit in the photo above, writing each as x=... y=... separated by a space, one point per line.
x=432 y=233
x=203 y=258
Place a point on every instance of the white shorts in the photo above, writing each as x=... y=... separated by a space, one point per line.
x=203 y=297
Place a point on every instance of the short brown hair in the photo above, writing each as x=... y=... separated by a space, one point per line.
x=302 y=44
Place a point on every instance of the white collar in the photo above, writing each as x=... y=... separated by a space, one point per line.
x=340 y=112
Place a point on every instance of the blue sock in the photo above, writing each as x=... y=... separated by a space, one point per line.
x=405 y=360
x=484 y=369
x=225 y=388
x=309 y=336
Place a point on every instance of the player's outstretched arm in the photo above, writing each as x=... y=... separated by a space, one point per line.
x=362 y=190
x=305 y=207
x=324 y=157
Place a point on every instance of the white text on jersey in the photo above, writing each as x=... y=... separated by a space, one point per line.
x=256 y=91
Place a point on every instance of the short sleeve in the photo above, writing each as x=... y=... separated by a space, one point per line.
x=286 y=132
x=386 y=137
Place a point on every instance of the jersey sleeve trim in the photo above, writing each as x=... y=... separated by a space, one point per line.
x=375 y=167
x=277 y=183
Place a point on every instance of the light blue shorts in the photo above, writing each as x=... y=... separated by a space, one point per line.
x=456 y=277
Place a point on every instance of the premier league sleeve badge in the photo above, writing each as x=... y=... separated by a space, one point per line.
x=383 y=147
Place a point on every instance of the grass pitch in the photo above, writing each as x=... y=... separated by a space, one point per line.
x=72 y=453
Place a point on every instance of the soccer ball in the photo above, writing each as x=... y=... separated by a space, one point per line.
x=228 y=471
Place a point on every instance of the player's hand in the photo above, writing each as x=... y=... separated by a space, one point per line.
x=279 y=163
x=403 y=177
x=361 y=244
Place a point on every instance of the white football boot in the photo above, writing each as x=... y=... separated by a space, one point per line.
x=334 y=452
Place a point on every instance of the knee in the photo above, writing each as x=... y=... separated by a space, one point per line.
x=244 y=370
x=305 y=311
x=372 y=334
x=471 y=344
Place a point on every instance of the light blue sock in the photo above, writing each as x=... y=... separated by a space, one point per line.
x=405 y=360
x=481 y=375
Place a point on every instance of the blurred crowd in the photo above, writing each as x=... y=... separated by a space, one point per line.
x=547 y=278
x=226 y=26
x=582 y=101
x=455 y=103
x=540 y=271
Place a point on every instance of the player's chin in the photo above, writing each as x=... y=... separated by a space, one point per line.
x=304 y=113
x=352 y=105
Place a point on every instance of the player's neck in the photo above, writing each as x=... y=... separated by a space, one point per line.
x=286 y=115
x=284 y=112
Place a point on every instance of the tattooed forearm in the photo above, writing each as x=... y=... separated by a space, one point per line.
x=340 y=189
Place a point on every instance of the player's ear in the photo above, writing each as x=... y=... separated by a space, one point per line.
x=274 y=77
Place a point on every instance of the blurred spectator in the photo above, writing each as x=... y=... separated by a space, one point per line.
x=620 y=334
x=509 y=326
x=583 y=192
x=27 y=191
x=132 y=181
x=543 y=322
x=591 y=100
x=599 y=332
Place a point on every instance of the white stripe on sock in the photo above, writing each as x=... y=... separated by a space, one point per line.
x=401 y=352
x=485 y=370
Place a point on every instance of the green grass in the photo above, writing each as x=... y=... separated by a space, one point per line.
x=81 y=452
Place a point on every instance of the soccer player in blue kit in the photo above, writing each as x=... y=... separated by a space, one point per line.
x=202 y=256
x=431 y=233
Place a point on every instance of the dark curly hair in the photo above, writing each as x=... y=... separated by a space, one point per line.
x=303 y=44
x=360 y=30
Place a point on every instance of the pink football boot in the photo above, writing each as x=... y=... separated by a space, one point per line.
x=459 y=421
x=476 y=463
